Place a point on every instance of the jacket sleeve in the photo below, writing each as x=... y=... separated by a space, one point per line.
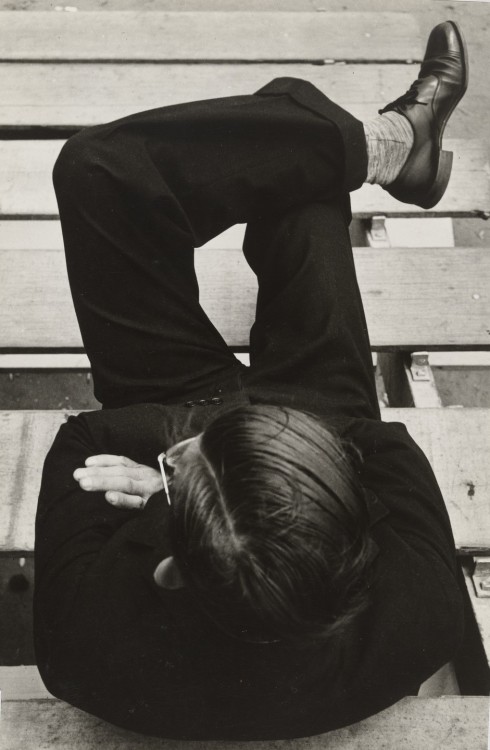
x=72 y=524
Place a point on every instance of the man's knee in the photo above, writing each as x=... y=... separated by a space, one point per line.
x=77 y=160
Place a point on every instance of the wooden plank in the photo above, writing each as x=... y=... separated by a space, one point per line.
x=25 y=179
x=77 y=362
x=74 y=95
x=419 y=299
x=22 y=683
x=26 y=189
x=205 y=6
x=452 y=722
x=34 y=235
x=456 y=441
x=460 y=359
x=44 y=362
x=67 y=362
x=155 y=35
x=36 y=297
x=86 y=94
x=79 y=94
x=420 y=232
x=25 y=438
x=442 y=295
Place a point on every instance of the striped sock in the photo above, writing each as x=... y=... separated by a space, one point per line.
x=389 y=140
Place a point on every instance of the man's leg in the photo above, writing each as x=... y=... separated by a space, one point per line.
x=137 y=195
x=310 y=337
x=136 y=296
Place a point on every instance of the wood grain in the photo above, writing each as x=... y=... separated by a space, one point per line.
x=22 y=683
x=26 y=187
x=154 y=35
x=434 y=298
x=31 y=235
x=25 y=438
x=452 y=722
x=456 y=442
x=86 y=94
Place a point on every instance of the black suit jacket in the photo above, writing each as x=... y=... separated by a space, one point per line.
x=109 y=641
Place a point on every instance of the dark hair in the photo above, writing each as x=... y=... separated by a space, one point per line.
x=270 y=527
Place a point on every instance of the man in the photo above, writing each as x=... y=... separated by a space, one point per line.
x=291 y=569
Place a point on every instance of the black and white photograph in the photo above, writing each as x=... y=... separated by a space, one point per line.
x=244 y=375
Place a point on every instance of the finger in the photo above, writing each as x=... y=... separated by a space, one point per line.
x=107 y=459
x=109 y=471
x=123 y=484
x=123 y=500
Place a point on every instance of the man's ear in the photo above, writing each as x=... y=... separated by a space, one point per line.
x=167 y=575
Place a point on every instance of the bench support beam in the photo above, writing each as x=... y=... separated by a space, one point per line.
x=408 y=379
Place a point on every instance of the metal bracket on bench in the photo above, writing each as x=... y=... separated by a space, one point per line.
x=481 y=576
x=421 y=381
x=419 y=367
x=377 y=236
x=409 y=381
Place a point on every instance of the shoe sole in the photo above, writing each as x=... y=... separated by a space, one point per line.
x=437 y=190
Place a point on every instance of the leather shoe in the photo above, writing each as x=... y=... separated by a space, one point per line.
x=427 y=105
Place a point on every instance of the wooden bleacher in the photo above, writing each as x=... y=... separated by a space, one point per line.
x=412 y=724
x=65 y=70
x=442 y=292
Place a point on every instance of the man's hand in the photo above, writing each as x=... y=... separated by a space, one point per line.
x=126 y=484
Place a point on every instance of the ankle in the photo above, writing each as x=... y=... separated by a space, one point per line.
x=389 y=140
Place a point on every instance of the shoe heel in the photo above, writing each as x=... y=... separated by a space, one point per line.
x=440 y=184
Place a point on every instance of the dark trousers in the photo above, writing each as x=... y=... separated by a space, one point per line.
x=136 y=196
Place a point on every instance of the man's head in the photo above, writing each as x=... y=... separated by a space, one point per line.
x=269 y=525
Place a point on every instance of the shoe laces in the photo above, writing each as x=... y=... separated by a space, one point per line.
x=409 y=97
